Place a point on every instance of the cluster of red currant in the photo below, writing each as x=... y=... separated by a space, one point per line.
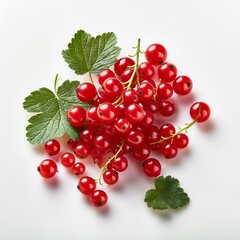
x=121 y=120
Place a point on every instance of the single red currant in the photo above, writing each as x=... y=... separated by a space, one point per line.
x=120 y=164
x=86 y=185
x=167 y=130
x=130 y=96
x=135 y=137
x=152 y=167
x=141 y=152
x=86 y=136
x=82 y=150
x=122 y=125
x=181 y=140
x=135 y=113
x=164 y=91
x=52 y=147
x=47 y=168
x=166 y=108
x=112 y=87
x=167 y=72
x=122 y=64
x=76 y=116
x=102 y=142
x=182 y=85
x=200 y=111
x=67 y=159
x=98 y=198
x=78 y=168
x=169 y=150
x=145 y=71
x=156 y=54
x=86 y=92
x=110 y=177
x=105 y=74
x=127 y=75
x=145 y=91
x=107 y=112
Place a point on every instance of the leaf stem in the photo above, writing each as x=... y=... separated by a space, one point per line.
x=181 y=129
x=98 y=180
x=55 y=84
x=90 y=75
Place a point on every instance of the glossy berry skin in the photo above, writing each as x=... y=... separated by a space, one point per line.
x=182 y=85
x=135 y=137
x=86 y=136
x=99 y=198
x=147 y=120
x=167 y=72
x=130 y=96
x=73 y=143
x=151 y=134
x=86 y=92
x=151 y=105
x=164 y=91
x=82 y=151
x=67 y=159
x=146 y=71
x=145 y=91
x=122 y=64
x=156 y=54
x=107 y=112
x=167 y=130
x=169 y=150
x=127 y=75
x=112 y=87
x=201 y=108
x=109 y=130
x=135 y=113
x=102 y=143
x=181 y=140
x=152 y=167
x=141 y=152
x=86 y=185
x=122 y=125
x=105 y=74
x=110 y=177
x=120 y=164
x=78 y=168
x=166 y=108
x=52 y=147
x=47 y=168
x=76 y=116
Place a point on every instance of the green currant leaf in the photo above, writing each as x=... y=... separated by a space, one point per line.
x=91 y=54
x=167 y=194
x=51 y=121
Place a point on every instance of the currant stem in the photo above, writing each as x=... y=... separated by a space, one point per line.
x=181 y=129
x=90 y=75
x=98 y=180
x=55 y=84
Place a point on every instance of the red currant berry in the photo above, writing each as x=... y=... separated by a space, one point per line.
x=99 y=198
x=105 y=74
x=109 y=130
x=156 y=54
x=122 y=125
x=151 y=105
x=145 y=71
x=135 y=137
x=141 y=152
x=169 y=150
x=82 y=151
x=122 y=64
x=86 y=92
x=73 y=143
x=86 y=136
x=92 y=115
x=152 y=167
x=135 y=113
x=112 y=87
x=47 y=168
x=130 y=96
x=167 y=72
x=127 y=75
x=52 y=147
x=145 y=91
x=120 y=164
x=102 y=142
x=200 y=109
x=147 y=120
x=167 y=130
x=151 y=134
x=78 y=168
x=182 y=85
x=110 y=177
x=76 y=116
x=181 y=140
x=166 y=108
x=86 y=185
x=67 y=159
x=164 y=91
x=106 y=113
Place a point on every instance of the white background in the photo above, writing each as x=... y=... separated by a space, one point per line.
x=202 y=38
